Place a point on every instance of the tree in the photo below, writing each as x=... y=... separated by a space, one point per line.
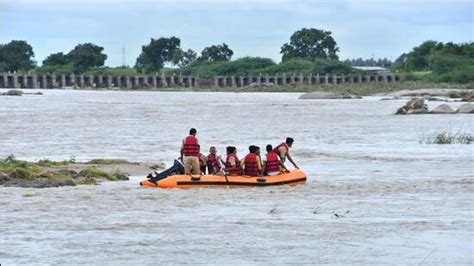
x=310 y=44
x=85 y=56
x=418 y=59
x=55 y=59
x=216 y=53
x=185 y=58
x=157 y=53
x=16 y=55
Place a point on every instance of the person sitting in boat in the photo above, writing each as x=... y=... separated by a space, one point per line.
x=202 y=163
x=232 y=163
x=283 y=151
x=213 y=162
x=190 y=152
x=251 y=164
x=272 y=165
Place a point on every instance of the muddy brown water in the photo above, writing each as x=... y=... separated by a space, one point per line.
x=374 y=193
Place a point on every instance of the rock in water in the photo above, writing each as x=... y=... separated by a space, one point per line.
x=13 y=93
x=413 y=106
x=468 y=97
x=443 y=109
x=319 y=95
x=467 y=108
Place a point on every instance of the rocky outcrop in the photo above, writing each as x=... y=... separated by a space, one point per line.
x=413 y=106
x=13 y=93
x=443 y=109
x=429 y=92
x=319 y=95
x=467 y=108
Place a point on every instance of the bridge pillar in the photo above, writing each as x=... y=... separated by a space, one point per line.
x=15 y=81
x=62 y=84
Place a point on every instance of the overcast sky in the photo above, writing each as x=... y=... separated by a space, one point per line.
x=251 y=28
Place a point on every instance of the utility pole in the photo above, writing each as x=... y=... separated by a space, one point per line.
x=124 y=59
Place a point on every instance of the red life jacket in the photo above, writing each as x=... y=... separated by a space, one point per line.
x=250 y=164
x=190 y=148
x=277 y=148
x=231 y=169
x=213 y=164
x=273 y=162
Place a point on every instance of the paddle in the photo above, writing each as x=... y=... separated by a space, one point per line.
x=223 y=171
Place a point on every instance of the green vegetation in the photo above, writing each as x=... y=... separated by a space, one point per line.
x=19 y=169
x=48 y=163
x=309 y=51
x=108 y=161
x=158 y=52
x=438 y=62
x=52 y=173
x=216 y=53
x=258 y=65
x=16 y=56
x=310 y=44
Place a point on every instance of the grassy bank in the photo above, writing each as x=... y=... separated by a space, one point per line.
x=48 y=173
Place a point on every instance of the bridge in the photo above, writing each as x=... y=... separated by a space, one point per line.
x=50 y=81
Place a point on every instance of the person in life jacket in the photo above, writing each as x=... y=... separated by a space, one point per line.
x=272 y=164
x=202 y=163
x=190 y=153
x=232 y=163
x=251 y=164
x=283 y=151
x=213 y=162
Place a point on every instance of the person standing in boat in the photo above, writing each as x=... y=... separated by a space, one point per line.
x=213 y=164
x=283 y=151
x=190 y=153
x=251 y=164
x=232 y=163
x=272 y=164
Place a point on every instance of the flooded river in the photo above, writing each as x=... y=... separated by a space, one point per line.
x=374 y=193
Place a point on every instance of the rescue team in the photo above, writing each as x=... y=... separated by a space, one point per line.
x=196 y=163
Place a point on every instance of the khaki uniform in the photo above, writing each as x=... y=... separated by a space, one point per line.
x=191 y=165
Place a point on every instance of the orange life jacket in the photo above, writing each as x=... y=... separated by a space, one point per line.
x=273 y=162
x=250 y=165
x=213 y=164
x=190 y=148
x=233 y=170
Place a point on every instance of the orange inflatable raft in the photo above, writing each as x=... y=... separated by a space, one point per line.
x=294 y=177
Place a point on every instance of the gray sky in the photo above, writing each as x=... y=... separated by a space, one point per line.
x=251 y=28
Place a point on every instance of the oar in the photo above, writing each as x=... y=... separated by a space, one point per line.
x=223 y=171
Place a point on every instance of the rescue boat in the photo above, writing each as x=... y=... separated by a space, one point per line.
x=294 y=177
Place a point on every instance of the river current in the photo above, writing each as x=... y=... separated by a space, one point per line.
x=375 y=194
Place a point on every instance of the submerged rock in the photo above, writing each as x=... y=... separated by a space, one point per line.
x=320 y=95
x=13 y=93
x=443 y=109
x=38 y=183
x=413 y=106
x=467 y=108
x=468 y=97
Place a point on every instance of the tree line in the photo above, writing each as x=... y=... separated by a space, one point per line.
x=308 y=51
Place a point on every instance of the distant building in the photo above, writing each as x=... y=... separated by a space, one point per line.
x=373 y=69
